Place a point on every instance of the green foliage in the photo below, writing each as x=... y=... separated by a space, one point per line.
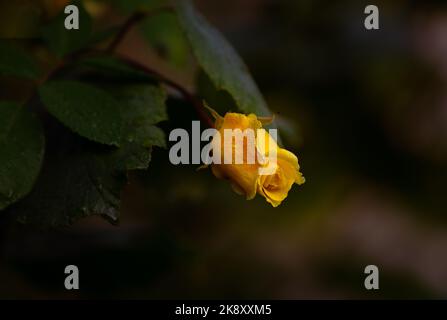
x=111 y=67
x=164 y=33
x=77 y=180
x=88 y=111
x=143 y=106
x=220 y=100
x=15 y=62
x=81 y=178
x=144 y=103
x=21 y=152
x=105 y=109
x=63 y=42
x=220 y=61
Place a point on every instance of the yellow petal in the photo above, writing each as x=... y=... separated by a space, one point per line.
x=243 y=176
x=289 y=163
x=275 y=187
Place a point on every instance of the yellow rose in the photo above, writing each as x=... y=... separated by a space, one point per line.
x=247 y=178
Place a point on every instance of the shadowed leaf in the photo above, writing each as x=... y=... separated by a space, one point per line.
x=21 y=152
x=88 y=111
x=15 y=62
x=220 y=61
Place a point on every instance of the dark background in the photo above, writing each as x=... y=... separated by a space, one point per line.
x=366 y=113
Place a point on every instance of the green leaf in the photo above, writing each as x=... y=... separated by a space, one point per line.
x=131 y=156
x=163 y=32
x=77 y=181
x=111 y=67
x=81 y=178
x=62 y=41
x=220 y=61
x=220 y=100
x=88 y=111
x=21 y=152
x=144 y=105
x=15 y=62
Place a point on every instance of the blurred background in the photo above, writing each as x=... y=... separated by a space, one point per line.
x=366 y=113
